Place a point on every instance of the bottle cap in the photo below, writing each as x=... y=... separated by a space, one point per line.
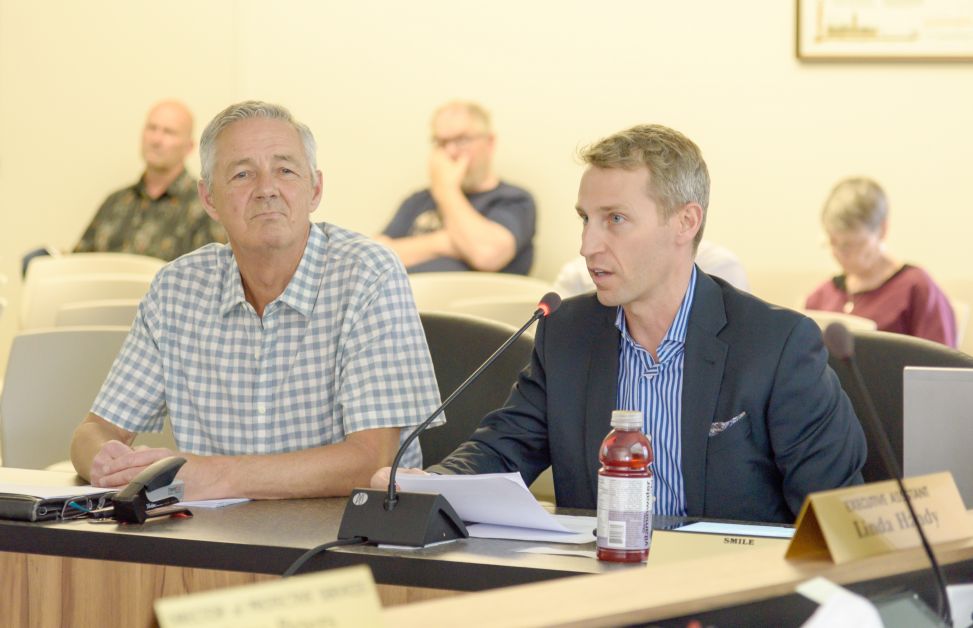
x=627 y=419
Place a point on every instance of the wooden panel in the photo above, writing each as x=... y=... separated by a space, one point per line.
x=13 y=589
x=393 y=595
x=52 y=591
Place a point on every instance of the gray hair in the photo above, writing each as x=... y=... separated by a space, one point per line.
x=245 y=111
x=855 y=203
x=678 y=172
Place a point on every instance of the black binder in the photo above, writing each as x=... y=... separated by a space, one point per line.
x=30 y=508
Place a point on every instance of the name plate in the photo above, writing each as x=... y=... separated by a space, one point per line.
x=849 y=523
x=674 y=547
x=334 y=599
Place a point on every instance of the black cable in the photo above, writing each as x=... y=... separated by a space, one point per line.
x=841 y=345
x=944 y=609
x=314 y=551
x=391 y=499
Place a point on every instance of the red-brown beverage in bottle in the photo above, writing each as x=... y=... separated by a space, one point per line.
x=625 y=491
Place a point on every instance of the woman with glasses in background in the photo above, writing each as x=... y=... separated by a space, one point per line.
x=899 y=297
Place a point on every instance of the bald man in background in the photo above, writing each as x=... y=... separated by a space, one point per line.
x=160 y=215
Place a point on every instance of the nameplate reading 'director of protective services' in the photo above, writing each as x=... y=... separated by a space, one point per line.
x=336 y=598
x=860 y=521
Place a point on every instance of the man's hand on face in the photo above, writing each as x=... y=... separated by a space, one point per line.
x=446 y=173
x=117 y=464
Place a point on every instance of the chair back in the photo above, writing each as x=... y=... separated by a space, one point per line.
x=882 y=358
x=3 y=301
x=961 y=314
x=513 y=311
x=438 y=291
x=91 y=264
x=52 y=378
x=104 y=312
x=788 y=288
x=43 y=297
x=960 y=294
x=824 y=318
x=458 y=345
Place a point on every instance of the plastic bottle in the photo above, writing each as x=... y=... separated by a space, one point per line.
x=625 y=491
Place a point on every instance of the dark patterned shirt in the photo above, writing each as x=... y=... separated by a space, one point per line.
x=129 y=221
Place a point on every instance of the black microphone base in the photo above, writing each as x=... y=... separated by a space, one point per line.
x=418 y=519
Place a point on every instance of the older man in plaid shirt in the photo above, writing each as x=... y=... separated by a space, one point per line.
x=291 y=362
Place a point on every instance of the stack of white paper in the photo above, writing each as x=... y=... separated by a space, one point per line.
x=500 y=506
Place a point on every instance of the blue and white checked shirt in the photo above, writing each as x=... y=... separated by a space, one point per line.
x=655 y=388
x=340 y=350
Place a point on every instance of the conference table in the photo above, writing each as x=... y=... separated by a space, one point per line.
x=82 y=573
x=78 y=572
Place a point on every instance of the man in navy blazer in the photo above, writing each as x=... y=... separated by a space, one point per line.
x=746 y=418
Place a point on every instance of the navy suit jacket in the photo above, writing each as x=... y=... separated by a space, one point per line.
x=800 y=433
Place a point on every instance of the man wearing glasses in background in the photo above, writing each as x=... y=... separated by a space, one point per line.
x=467 y=219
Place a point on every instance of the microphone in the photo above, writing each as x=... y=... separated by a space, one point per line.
x=841 y=345
x=418 y=519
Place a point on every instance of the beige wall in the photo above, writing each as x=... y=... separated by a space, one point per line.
x=76 y=79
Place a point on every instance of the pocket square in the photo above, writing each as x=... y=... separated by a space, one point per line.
x=718 y=427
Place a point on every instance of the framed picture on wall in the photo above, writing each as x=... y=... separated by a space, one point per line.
x=861 y=30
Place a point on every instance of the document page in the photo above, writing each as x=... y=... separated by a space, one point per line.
x=503 y=503
x=582 y=531
x=50 y=492
x=214 y=503
x=738 y=529
x=498 y=498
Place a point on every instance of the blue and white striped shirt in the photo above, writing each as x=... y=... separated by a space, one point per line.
x=655 y=388
x=339 y=351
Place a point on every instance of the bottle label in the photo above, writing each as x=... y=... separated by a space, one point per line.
x=624 y=513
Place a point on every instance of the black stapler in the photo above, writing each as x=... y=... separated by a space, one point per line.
x=151 y=493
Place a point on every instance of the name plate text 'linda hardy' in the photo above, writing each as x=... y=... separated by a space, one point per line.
x=871 y=519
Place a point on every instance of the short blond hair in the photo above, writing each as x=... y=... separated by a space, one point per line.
x=855 y=203
x=678 y=171
x=474 y=110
